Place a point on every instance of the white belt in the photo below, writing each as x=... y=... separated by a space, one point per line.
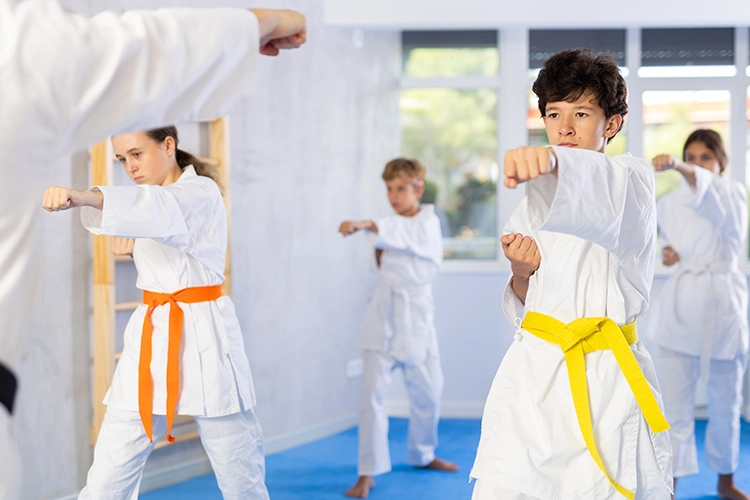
x=701 y=266
x=399 y=328
x=711 y=267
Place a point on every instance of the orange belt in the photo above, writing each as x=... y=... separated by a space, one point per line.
x=176 y=317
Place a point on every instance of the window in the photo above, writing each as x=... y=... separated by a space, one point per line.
x=449 y=53
x=451 y=126
x=543 y=44
x=687 y=52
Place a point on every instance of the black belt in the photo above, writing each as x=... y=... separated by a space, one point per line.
x=8 y=386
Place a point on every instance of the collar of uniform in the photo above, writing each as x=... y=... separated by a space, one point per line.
x=424 y=212
x=187 y=173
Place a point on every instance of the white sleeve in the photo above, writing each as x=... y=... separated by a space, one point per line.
x=723 y=202
x=608 y=201
x=512 y=305
x=422 y=238
x=159 y=213
x=661 y=208
x=84 y=79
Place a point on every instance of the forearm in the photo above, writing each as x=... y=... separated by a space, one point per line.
x=520 y=287
x=267 y=22
x=687 y=171
x=369 y=225
x=271 y=24
x=92 y=198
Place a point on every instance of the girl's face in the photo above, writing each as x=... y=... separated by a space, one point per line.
x=145 y=160
x=698 y=154
x=404 y=194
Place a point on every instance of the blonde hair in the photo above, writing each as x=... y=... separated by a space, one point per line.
x=411 y=168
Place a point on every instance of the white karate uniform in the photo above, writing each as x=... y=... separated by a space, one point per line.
x=181 y=241
x=67 y=81
x=702 y=327
x=595 y=224
x=399 y=332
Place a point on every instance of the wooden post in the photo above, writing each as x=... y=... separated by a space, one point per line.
x=219 y=151
x=104 y=295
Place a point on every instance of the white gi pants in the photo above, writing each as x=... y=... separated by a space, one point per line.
x=424 y=386
x=10 y=459
x=679 y=377
x=649 y=488
x=487 y=489
x=234 y=444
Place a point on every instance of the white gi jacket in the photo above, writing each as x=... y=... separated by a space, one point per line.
x=399 y=319
x=703 y=307
x=181 y=241
x=67 y=81
x=595 y=225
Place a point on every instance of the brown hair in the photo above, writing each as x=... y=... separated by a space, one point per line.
x=713 y=141
x=569 y=74
x=184 y=159
x=410 y=167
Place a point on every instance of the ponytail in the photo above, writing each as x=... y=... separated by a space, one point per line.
x=184 y=159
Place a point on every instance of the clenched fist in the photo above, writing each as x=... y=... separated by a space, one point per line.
x=526 y=163
x=121 y=246
x=669 y=256
x=523 y=254
x=350 y=227
x=59 y=198
x=664 y=162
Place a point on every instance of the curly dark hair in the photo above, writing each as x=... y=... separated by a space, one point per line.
x=569 y=74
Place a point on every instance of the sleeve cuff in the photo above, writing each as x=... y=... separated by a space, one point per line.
x=99 y=221
x=703 y=180
x=512 y=305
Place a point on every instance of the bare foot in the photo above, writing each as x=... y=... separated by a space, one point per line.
x=727 y=489
x=443 y=465
x=362 y=488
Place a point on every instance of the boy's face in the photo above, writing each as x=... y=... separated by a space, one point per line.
x=580 y=124
x=404 y=194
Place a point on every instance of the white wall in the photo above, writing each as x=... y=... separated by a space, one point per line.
x=307 y=152
x=443 y=14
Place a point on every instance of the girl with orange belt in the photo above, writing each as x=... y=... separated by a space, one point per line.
x=183 y=349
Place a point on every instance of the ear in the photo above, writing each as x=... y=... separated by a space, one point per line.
x=419 y=190
x=169 y=145
x=614 y=123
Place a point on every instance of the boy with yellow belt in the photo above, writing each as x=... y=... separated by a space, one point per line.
x=574 y=411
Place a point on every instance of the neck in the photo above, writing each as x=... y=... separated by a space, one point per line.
x=174 y=173
x=411 y=212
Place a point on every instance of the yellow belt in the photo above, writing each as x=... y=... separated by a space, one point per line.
x=587 y=335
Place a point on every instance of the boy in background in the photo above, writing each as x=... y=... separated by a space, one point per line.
x=398 y=330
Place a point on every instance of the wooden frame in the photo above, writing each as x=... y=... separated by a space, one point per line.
x=105 y=306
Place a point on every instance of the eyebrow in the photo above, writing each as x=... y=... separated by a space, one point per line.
x=581 y=106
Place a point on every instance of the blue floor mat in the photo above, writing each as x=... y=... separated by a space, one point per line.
x=325 y=469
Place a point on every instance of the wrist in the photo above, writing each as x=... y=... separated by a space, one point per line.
x=521 y=278
x=267 y=22
x=93 y=198
x=552 y=166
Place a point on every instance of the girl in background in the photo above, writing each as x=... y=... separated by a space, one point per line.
x=703 y=330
